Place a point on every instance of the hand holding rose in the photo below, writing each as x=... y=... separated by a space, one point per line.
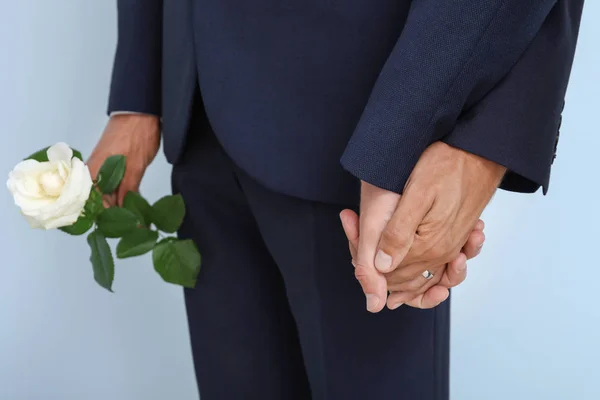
x=135 y=136
x=54 y=189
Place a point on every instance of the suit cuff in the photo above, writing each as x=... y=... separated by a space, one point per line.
x=114 y=113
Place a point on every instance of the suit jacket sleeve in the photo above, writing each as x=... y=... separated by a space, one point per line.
x=517 y=124
x=465 y=71
x=136 y=76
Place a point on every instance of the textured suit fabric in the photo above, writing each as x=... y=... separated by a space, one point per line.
x=277 y=313
x=450 y=54
x=497 y=124
x=291 y=86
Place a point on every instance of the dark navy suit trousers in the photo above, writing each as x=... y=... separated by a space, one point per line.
x=277 y=313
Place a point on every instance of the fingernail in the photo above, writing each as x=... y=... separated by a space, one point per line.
x=383 y=261
x=394 y=306
x=372 y=302
x=461 y=267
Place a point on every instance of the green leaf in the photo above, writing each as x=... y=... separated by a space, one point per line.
x=42 y=155
x=136 y=243
x=135 y=203
x=93 y=205
x=111 y=173
x=102 y=260
x=177 y=261
x=116 y=222
x=168 y=213
x=81 y=226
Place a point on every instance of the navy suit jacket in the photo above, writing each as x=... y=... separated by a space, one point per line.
x=291 y=87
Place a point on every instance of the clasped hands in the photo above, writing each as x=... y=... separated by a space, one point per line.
x=432 y=228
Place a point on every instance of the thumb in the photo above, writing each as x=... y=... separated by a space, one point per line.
x=372 y=282
x=399 y=233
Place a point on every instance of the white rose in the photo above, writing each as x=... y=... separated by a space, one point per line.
x=51 y=194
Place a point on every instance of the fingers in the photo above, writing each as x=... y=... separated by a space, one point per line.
x=410 y=278
x=373 y=284
x=351 y=228
x=454 y=275
x=109 y=200
x=130 y=183
x=456 y=272
x=474 y=244
x=413 y=289
x=431 y=298
x=399 y=233
x=479 y=226
x=135 y=136
x=432 y=293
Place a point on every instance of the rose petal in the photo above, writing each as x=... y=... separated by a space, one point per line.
x=79 y=183
x=59 y=222
x=64 y=168
x=32 y=206
x=24 y=178
x=30 y=167
x=33 y=222
x=60 y=152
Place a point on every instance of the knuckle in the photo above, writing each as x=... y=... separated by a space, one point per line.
x=361 y=273
x=394 y=237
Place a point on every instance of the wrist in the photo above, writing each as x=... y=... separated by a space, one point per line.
x=136 y=123
x=131 y=118
x=485 y=170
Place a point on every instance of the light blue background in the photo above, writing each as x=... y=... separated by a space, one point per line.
x=525 y=324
